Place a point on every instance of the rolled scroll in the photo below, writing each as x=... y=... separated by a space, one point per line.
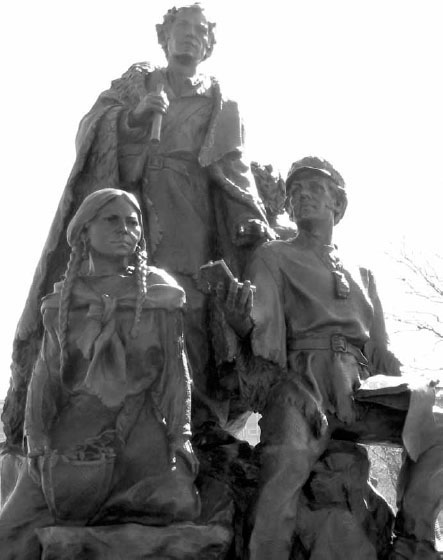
x=157 y=121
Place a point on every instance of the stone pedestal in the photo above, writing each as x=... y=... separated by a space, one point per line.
x=182 y=541
x=341 y=516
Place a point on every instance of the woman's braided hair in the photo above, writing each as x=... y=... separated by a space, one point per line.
x=79 y=253
x=141 y=275
x=71 y=273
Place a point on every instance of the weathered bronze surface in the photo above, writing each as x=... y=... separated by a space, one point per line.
x=106 y=455
x=315 y=362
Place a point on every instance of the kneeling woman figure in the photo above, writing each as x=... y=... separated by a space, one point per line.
x=108 y=408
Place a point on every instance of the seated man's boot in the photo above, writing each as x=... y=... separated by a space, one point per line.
x=407 y=548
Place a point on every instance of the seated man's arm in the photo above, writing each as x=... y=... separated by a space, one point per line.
x=381 y=359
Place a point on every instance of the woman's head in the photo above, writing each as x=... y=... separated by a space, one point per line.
x=109 y=223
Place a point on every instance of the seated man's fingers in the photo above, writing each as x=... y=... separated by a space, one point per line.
x=250 y=302
x=244 y=295
x=232 y=295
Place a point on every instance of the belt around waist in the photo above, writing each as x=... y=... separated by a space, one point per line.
x=176 y=164
x=335 y=342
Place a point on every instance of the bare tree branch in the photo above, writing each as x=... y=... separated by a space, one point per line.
x=422 y=279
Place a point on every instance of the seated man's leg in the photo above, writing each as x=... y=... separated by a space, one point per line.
x=420 y=483
x=419 y=500
x=289 y=450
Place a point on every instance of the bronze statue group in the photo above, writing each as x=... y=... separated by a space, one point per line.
x=119 y=357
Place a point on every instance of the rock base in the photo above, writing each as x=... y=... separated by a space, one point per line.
x=181 y=541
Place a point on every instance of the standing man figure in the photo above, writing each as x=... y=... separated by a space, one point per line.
x=168 y=136
x=316 y=337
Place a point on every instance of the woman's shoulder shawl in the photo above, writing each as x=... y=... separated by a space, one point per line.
x=162 y=292
x=81 y=293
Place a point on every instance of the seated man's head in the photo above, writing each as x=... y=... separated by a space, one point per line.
x=315 y=192
x=186 y=34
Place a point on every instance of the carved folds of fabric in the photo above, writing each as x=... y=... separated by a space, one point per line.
x=257 y=376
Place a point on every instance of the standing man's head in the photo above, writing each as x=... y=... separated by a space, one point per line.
x=315 y=192
x=186 y=34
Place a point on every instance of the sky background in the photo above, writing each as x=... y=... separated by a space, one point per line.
x=357 y=82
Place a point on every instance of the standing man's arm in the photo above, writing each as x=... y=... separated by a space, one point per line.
x=244 y=211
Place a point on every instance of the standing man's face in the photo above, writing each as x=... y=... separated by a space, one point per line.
x=189 y=36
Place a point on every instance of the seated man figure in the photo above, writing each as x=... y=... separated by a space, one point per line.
x=314 y=339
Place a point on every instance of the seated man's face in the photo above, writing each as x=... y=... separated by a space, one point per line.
x=312 y=196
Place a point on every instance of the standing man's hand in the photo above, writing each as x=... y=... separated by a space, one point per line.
x=252 y=231
x=149 y=105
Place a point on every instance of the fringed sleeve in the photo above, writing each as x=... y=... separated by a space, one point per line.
x=263 y=360
x=171 y=392
x=268 y=338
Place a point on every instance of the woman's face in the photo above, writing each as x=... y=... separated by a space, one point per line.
x=116 y=229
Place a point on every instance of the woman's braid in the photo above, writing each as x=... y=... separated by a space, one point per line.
x=71 y=273
x=141 y=275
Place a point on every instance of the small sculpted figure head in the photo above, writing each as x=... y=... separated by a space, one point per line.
x=271 y=188
x=186 y=34
x=314 y=189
